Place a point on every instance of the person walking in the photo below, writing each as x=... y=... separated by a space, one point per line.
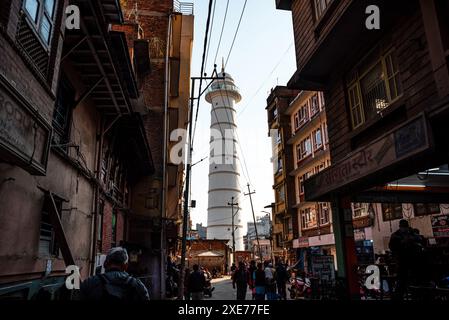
x=196 y=283
x=241 y=278
x=270 y=282
x=259 y=282
x=115 y=284
x=405 y=245
x=281 y=277
x=252 y=268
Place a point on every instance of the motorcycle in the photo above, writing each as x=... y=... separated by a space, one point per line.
x=300 y=287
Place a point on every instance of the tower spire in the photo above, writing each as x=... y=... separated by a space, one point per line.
x=222 y=65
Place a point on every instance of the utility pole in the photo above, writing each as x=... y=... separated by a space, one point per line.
x=232 y=204
x=254 y=218
x=188 y=176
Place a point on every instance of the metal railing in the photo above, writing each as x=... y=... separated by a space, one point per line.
x=223 y=86
x=186 y=8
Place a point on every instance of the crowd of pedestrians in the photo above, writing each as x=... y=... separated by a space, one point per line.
x=264 y=281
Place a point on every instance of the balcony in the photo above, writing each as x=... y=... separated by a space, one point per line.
x=185 y=8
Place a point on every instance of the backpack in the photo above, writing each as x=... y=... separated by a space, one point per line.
x=117 y=292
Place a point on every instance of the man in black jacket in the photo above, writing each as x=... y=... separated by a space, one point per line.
x=196 y=283
x=241 y=278
x=115 y=284
x=405 y=245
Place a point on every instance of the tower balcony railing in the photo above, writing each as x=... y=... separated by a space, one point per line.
x=223 y=86
x=186 y=8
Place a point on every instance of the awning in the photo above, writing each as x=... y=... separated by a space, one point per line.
x=210 y=254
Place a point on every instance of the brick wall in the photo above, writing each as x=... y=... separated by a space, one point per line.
x=107 y=228
x=153 y=19
x=120 y=227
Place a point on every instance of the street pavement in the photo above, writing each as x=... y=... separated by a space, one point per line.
x=224 y=291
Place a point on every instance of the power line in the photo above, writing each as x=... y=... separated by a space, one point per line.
x=236 y=32
x=204 y=56
x=221 y=34
x=209 y=23
x=266 y=79
x=211 y=31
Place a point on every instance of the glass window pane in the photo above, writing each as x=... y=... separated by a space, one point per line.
x=373 y=91
x=49 y=6
x=45 y=30
x=32 y=6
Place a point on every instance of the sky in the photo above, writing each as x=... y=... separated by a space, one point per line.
x=263 y=56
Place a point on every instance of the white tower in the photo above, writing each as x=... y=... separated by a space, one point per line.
x=224 y=173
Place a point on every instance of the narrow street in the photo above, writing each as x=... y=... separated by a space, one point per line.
x=224 y=291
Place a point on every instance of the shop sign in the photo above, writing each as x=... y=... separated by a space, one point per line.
x=24 y=134
x=440 y=226
x=323 y=267
x=402 y=143
x=301 y=242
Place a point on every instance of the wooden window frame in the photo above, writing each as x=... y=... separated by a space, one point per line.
x=354 y=86
x=38 y=23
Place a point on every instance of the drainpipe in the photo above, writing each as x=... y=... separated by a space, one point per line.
x=164 y=166
x=96 y=199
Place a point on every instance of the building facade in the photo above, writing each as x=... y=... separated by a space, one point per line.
x=386 y=92
x=285 y=218
x=164 y=29
x=263 y=225
x=72 y=144
x=311 y=155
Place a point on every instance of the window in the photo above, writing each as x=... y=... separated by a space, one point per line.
x=302 y=179
x=47 y=237
x=304 y=114
x=304 y=149
x=323 y=209
x=297 y=122
x=41 y=14
x=63 y=113
x=373 y=86
x=322 y=102
x=317 y=139
x=308 y=218
x=301 y=117
x=320 y=7
x=279 y=165
x=278 y=137
x=275 y=113
x=360 y=210
x=280 y=194
x=422 y=209
x=320 y=167
x=314 y=105
x=391 y=211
